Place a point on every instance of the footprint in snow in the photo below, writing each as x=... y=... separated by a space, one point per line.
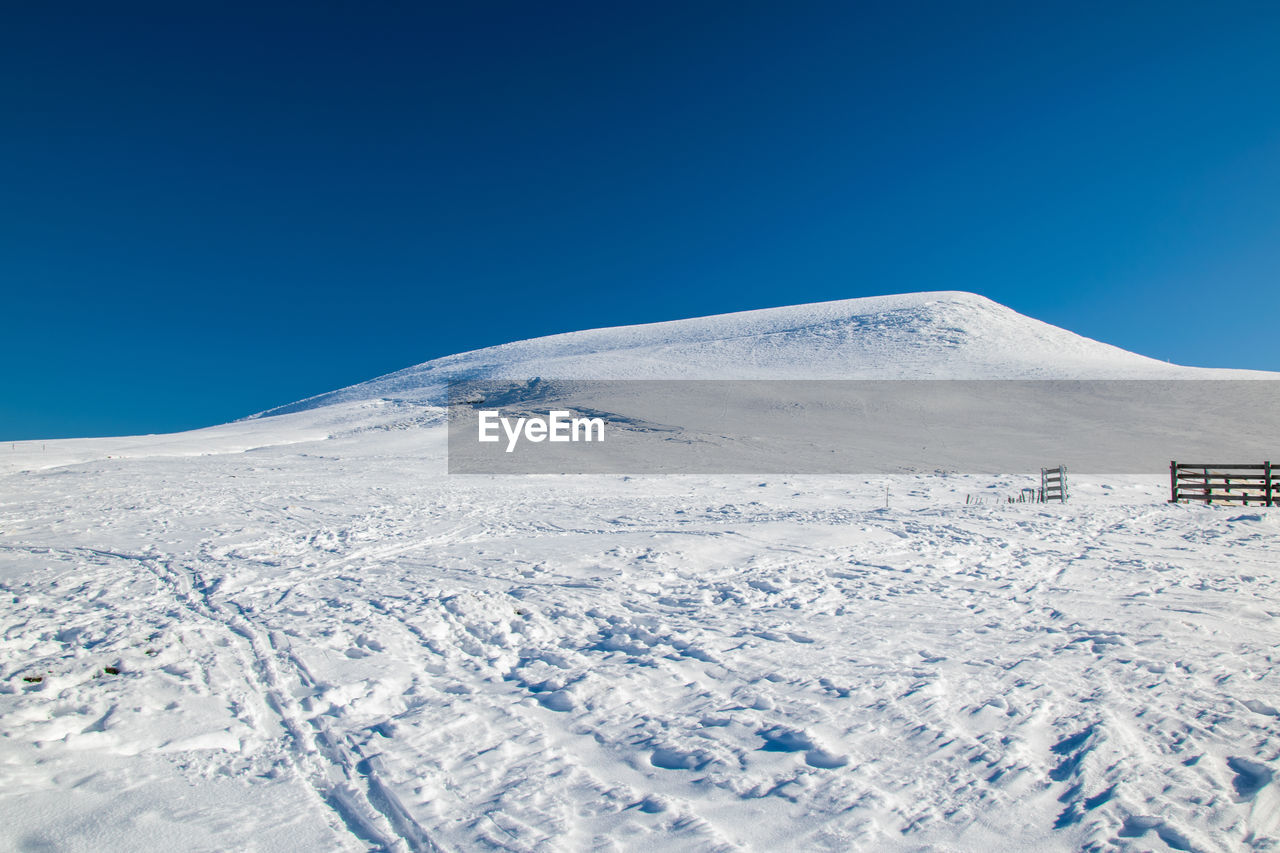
x=558 y=700
x=1136 y=826
x=782 y=739
x=668 y=758
x=824 y=760
x=1251 y=777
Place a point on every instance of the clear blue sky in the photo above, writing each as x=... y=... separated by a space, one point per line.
x=211 y=208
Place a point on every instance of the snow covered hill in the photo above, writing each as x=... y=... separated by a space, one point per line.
x=938 y=335
x=297 y=633
x=942 y=335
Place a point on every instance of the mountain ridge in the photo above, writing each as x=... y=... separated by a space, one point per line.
x=928 y=335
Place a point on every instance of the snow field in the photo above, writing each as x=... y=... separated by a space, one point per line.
x=334 y=646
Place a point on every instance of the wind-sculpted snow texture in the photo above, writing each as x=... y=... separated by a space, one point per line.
x=332 y=645
x=298 y=633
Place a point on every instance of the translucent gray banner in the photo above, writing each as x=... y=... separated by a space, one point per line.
x=857 y=426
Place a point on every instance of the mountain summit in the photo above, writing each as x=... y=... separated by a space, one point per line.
x=934 y=335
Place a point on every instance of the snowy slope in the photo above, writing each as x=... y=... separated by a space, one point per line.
x=942 y=335
x=297 y=633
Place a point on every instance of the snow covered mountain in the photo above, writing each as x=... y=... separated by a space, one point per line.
x=938 y=335
x=297 y=633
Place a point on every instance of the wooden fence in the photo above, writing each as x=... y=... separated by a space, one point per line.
x=1053 y=484
x=1235 y=484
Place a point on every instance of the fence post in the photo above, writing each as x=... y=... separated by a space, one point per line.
x=1266 y=470
x=1173 y=482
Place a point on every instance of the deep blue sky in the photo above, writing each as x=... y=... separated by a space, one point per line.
x=211 y=208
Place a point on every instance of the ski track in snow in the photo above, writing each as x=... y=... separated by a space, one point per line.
x=354 y=651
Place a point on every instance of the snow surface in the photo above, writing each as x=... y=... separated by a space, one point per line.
x=322 y=641
x=942 y=335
